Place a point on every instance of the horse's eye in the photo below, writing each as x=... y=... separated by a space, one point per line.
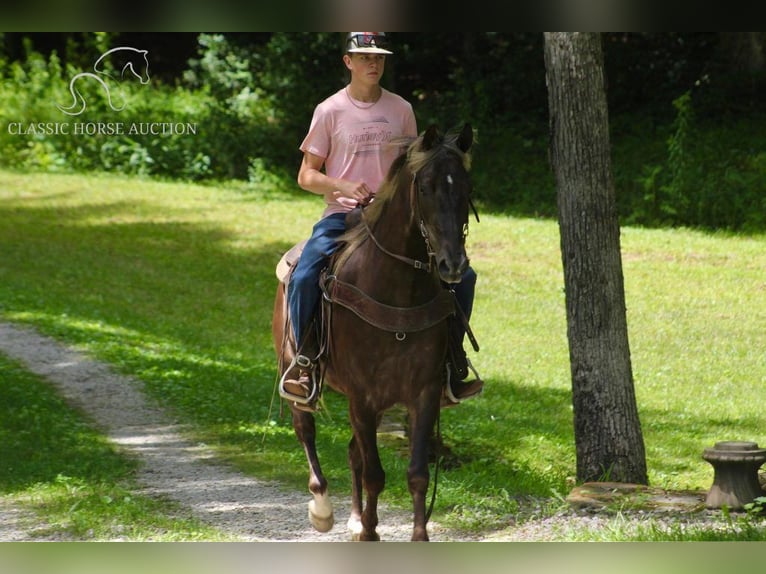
x=426 y=188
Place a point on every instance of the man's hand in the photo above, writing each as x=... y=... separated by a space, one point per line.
x=356 y=190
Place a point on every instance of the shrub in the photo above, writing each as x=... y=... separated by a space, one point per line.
x=713 y=176
x=210 y=129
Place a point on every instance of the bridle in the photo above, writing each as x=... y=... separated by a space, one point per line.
x=416 y=263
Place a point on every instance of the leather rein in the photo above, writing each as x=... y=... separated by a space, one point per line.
x=423 y=231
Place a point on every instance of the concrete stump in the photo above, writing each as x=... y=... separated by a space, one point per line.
x=735 y=482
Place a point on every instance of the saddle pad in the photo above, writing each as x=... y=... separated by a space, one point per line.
x=289 y=259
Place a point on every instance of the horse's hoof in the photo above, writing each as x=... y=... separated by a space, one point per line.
x=368 y=537
x=319 y=522
x=358 y=533
x=322 y=524
x=355 y=527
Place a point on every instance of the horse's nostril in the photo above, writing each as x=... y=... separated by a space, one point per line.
x=450 y=273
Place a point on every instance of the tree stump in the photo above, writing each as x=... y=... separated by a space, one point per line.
x=735 y=482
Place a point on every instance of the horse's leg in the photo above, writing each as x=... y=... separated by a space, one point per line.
x=355 y=464
x=320 y=507
x=422 y=420
x=365 y=424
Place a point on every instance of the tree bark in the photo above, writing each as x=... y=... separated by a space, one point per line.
x=608 y=438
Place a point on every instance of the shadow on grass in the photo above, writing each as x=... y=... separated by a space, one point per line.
x=183 y=308
x=176 y=305
x=170 y=302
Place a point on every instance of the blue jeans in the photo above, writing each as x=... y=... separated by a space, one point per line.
x=304 y=294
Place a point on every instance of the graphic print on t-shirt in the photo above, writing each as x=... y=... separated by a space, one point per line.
x=368 y=136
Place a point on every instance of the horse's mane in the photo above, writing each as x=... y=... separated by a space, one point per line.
x=411 y=161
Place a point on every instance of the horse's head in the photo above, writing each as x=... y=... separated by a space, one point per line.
x=126 y=60
x=142 y=61
x=442 y=189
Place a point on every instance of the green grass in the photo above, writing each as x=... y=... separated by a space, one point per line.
x=55 y=464
x=619 y=529
x=174 y=283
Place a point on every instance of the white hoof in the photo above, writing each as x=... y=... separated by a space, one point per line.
x=355 y=528
x=320 y=513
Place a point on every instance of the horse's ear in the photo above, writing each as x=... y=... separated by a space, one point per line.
x=465 y=139
x=430 y=137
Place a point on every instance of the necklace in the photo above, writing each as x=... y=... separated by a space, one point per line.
x=368 y=106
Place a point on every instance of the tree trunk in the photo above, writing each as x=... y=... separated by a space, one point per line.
x=608 y=439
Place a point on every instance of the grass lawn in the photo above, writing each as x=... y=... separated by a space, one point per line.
x=174 y=283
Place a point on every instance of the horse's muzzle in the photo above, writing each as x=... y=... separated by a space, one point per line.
x=451 y=270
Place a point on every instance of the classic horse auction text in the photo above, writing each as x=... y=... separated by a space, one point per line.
x=102 y=128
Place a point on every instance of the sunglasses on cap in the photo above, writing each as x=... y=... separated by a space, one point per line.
x=367 y=40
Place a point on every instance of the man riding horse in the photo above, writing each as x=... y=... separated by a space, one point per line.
x=346 y=156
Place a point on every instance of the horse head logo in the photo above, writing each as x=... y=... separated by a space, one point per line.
x=128 y=61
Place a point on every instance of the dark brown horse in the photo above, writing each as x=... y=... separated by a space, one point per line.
x=387 y=332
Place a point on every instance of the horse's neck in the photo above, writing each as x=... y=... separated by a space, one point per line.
x=397 y=229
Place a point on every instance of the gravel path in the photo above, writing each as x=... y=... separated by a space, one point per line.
x=245 y=508
x=171 y=465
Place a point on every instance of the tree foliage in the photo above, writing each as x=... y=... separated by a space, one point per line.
x=253 y=95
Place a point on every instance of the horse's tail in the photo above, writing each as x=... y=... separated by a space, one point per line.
x=77 y=97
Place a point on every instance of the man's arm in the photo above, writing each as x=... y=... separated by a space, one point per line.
x=311 y=178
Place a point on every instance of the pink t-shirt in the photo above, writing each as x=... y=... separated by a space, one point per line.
x=352 y=139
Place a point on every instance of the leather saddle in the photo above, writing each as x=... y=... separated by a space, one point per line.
x=288 y=261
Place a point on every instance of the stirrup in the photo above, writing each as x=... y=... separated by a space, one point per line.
x=448 y=388
x=304 y=362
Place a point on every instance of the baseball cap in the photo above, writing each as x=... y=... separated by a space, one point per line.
x=367 y=43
